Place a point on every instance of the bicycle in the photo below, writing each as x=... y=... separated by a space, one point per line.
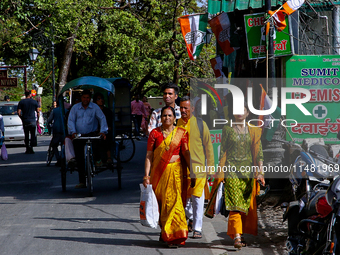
x=50 y=154
x=90 y=170
x=126 y=148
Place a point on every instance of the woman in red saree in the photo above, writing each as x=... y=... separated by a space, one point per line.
x=167 y=150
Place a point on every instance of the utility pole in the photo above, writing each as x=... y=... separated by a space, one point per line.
x=271 y=55
x=273 y=152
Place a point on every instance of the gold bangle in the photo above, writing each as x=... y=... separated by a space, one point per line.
x=146 y=178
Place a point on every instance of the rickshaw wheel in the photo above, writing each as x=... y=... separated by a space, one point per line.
x=126 y=149
x=89 y=166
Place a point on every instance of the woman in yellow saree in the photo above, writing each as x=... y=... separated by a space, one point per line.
x=167 y=151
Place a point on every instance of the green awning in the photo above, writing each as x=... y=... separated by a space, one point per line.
x=89 y=81
x=215 y=6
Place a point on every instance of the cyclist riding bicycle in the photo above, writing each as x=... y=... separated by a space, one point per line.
x=86 y=118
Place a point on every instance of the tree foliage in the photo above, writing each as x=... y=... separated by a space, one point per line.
x=138 y=39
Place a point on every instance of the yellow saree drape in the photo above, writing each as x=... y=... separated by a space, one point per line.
x=167 y=180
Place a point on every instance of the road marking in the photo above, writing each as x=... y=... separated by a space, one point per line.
x=25 y=163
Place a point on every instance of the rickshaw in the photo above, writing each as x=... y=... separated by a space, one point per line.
x=107 y=88
x=123 y=119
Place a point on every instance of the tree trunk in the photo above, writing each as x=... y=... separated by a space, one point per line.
x=66 y=62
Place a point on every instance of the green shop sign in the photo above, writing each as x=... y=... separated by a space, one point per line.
x=216 y=139
x=256 y=37
x=321 y=75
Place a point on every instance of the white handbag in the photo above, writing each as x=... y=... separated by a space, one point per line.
x=219 y=197
x=148 y=210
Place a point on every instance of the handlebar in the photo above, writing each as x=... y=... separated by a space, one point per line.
x=328 y=160
x=288 y=142
x=88 y=137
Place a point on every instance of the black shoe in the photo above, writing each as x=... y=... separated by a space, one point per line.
x=72 y=163
x=31 y=151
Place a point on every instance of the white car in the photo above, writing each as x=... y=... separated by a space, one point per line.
x=14 y=130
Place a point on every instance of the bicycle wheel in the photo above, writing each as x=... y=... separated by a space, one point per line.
x=89 y=166
x=49 y=155
x=126 y=149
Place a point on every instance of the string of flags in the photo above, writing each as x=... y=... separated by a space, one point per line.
x=194 y=30
x=286 y=9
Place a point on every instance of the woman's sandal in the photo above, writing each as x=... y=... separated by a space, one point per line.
x=190 y=225
x=244 y=243
x=238 y=243
x=197 y=234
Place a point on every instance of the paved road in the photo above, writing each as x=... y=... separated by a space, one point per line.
x=36 y=217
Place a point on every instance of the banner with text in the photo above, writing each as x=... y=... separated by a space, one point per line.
x=321 y=76
x=256 y=38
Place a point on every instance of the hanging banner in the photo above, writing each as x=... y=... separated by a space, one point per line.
x=256 y=39
x=321 y=76
x=221 y=27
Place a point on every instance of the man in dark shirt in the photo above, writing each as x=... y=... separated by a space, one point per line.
x=26 y=110
x=55 y=118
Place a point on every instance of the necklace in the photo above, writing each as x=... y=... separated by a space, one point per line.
x=239 y=134
x=166 y=132
x=167 y=146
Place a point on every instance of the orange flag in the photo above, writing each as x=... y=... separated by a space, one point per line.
x=220 y=25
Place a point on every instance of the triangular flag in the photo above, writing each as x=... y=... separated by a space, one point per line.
x=288 y=8
x=279 y=19
x=216 y=64
x=292 y=5
x=220 y=25
x=194 y=30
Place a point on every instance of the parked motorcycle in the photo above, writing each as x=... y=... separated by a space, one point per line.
x=308 y=215
x=333 y=229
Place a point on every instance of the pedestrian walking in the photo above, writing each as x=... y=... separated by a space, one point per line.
x=200 y=149
x=56 y=120
x=240 y=148
x=170 y=94
x=138 y=112
x=168 y=176
x=2 y=130
x=27 y=111
x=145 y=121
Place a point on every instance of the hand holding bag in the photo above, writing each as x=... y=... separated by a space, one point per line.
x=148 y=210
x=4 y=155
